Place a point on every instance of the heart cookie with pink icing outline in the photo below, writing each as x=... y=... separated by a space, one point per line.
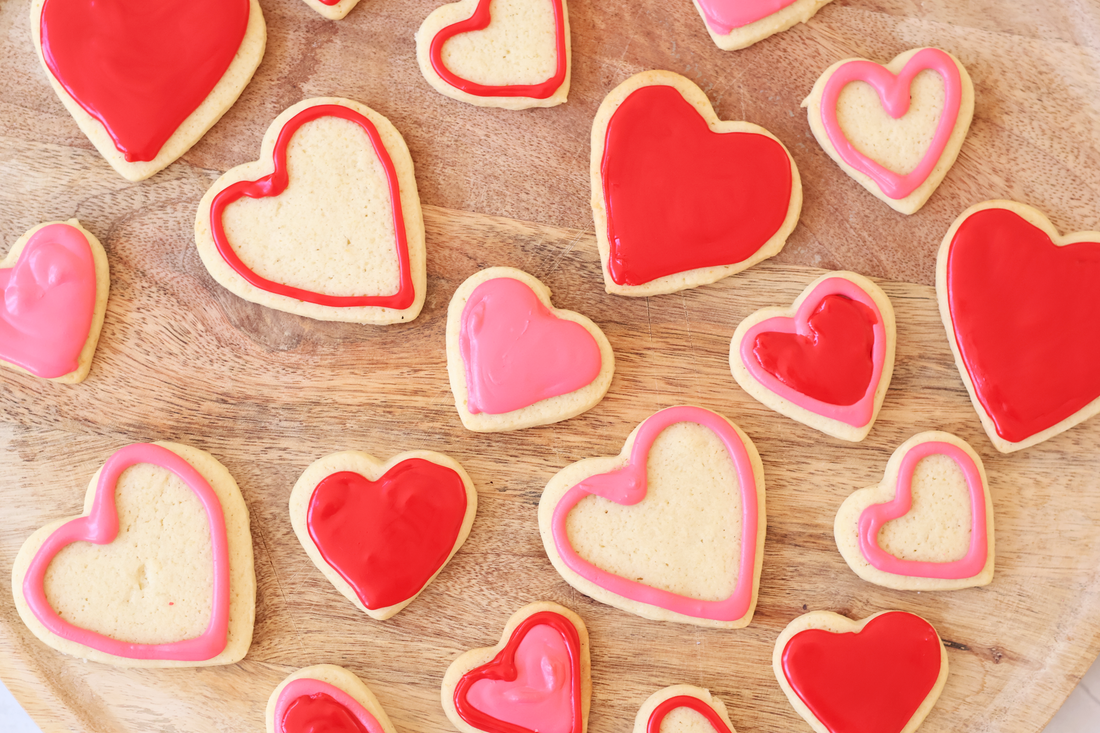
x=325 y=697
x=928 y=525
x=157 y=571
x=735 y=24
x=896 y=129
x=671 y=529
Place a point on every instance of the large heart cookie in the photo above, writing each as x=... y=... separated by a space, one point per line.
x=734 y=24
x=670 y=529
x=928 y=525
x=498 y=53
x=681 y=198
x=382 y=531
x=326 y=698
x=536 y=680
x=1019 y=303
x=157 y=572
x=826 y=361
x=514 y=360
x=146 y=81
x=55 y=282
x=879 y=675
x=896 y=129
x=682 y=709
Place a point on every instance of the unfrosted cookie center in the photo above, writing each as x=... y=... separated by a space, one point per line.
x=685 y=720
x=332 y=230
x=685 y=536
x=937 y=527
x=519 y=46
x=154 y=584
x=897 y=145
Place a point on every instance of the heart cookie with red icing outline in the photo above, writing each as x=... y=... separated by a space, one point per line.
x=735 y=24
x=327 y=224
x=682 y=709
x=536 y=680
x=513 y=54
x=382 y=531
x=325 y=697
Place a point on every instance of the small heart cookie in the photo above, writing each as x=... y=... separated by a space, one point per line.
x=538 y=678
x=928 y=525
x=679 y=197
x=896 y=129
x=735 y=24
x=328 y=698
x=332 y=9
x=381 y=532
x=683 y=709
x=327 y=224
x=157 y=572
x=826 y=361
x=55 y=282
x=515 y=361
x=671 y=529
x=879 y=675
x=512 y=54
x=145 y=86
x=1018 y=301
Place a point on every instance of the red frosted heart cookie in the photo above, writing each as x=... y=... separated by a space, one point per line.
x=682 y=709
x=681 y=198
x=325 y=698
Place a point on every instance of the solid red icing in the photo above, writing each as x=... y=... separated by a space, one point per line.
x=870 y=682
x=387 y=538
x=319 y=713
x=1026 y=316
x=141 y=67
x=834 y=362
x=680 y=196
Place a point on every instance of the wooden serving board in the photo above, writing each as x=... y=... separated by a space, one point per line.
x=267 y=393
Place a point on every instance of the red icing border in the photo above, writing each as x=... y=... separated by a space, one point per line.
x=657 y=717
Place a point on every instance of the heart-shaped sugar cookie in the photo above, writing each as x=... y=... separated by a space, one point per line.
x=735 y=24
x=538 y=678
x=327 y=698
x=327 y=224
x=332 y=9
x=928 y=525
x=157 y=572
x=513 y=54
x=682 y=709
x=670 y=529
x=896 y=129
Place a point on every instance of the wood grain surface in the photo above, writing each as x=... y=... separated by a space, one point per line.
x=182 y=359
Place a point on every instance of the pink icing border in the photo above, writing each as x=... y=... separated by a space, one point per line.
x=725 y=16
x=857 y=415
x=305 y=686
x=893 y=91
x=627 y=486
x=100 y=526
x=875 y=516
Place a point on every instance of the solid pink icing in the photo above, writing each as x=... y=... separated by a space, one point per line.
x=876 y=515
x=541 y=697
x=627 y=486
x=893 y=91
x=305 y=686
x=100 y=526
x=856 y=415
x=49 y=302
x=723 y=16
x=517 y=352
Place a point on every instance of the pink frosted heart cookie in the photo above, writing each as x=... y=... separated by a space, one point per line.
x=735 y=24
x=683 y=709
x=514 y=360
x=896 y=129
x=928 y=525
x=325 y=697
x=671 y=529
x=157 y=572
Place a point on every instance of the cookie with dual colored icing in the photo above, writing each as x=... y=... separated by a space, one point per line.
x=515 y=361
x=538 y=678
x=146 y=86
x=1018 y=302
x=332 y=9
x=671 y=529
x=928 y=525
x=896 y=129
x=288 y=231
x=883 y=673
x=513 y=54
x=735 y=24
x=381 y=531
x=679 y=197
x=55 y=281
x=157 y=571
x=826 y=361
x=325 y=697
x=683 y=709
